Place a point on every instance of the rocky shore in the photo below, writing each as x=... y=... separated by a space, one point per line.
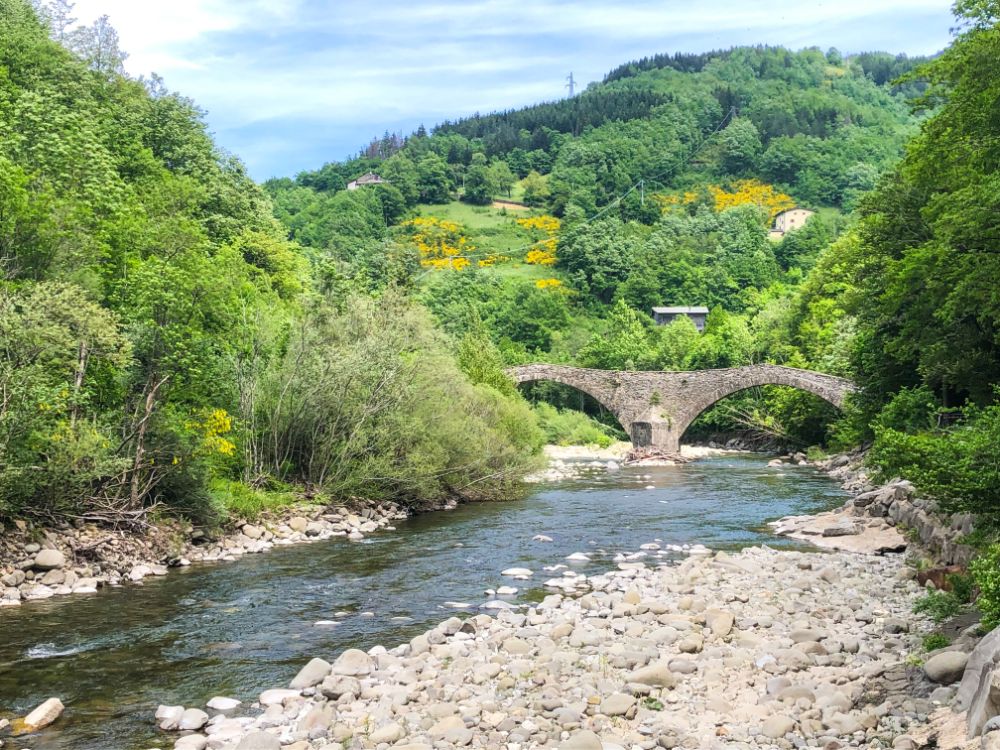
x=878 y=518
x=761 y=649
x=42 y=563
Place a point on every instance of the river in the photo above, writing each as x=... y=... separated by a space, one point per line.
x=237 y=628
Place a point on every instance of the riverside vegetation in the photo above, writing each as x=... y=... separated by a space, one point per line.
x=177 y=341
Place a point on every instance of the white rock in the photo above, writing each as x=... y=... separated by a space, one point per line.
x=516 y=572
x=49 y=559
x=44 y=714
x=277 y=696
x=193 y=718
x=220 y=703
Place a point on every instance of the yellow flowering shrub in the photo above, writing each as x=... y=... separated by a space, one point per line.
x=212 y=426
x=741 y=192
x=492 y=259
x=442 y=243
x=753 y=192
x=548 y=283
x=543 y=252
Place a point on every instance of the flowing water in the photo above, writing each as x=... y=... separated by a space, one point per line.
x=237 y=628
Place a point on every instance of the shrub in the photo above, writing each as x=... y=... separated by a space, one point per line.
x=938 y=605
x=985 y=571
x=571 y=427
x=371 y=403
x=959 y=467
x=934 y=641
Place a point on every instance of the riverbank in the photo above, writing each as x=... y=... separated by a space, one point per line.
x=757 y=649
x=878 y=517
x=39 y=563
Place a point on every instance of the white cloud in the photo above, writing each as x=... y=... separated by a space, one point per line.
x=252 y=63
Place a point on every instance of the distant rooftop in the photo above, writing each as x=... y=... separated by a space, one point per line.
x=679 y=310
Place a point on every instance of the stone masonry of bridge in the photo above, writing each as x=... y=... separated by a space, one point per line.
x=655 y=408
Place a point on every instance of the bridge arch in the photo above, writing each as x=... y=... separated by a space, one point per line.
x=595 y=383
x=727 y=382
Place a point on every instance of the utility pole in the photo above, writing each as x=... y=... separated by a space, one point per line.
x=571 y=85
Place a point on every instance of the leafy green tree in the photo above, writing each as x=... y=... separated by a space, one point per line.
x=741 y=146
x=434 y=179
x=625 y=345
x=478 y=187
x=536 y=189
x=501 y=178
x=676 y=342
x=598 y=256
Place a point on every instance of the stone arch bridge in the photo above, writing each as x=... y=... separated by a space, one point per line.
x=655 y=408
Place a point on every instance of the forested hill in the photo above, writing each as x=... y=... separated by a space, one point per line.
x=818 y=126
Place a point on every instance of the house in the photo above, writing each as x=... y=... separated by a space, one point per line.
x=664 y=315
x=370 y=178
x=788 y=220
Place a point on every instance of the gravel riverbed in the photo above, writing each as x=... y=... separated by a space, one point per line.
x=756 y=649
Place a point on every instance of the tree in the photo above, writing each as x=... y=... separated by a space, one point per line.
x=598 y=256
x=624 y=345
x=433 y=179
x=536 y=189
x=98 y=46
x=741 y=146
x=501 y=178
x=478 y=188
x=57 y=15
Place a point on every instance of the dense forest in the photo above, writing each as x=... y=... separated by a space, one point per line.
x=163 y=345
x=174 y=336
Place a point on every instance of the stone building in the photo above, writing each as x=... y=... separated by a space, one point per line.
x=789 y=220
x=664 y=315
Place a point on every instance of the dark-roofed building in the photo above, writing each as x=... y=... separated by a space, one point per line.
x=664 y=315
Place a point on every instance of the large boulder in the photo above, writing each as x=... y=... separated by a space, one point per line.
x=946 y=667
x=985 y=703
x=981 y=660
x=193 y=718
x=352 y=662
x=49 y=559
x=657 y=675
x=311 y=674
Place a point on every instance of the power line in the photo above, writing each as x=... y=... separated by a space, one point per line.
x=571 y=85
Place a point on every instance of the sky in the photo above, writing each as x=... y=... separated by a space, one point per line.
x=291 y=84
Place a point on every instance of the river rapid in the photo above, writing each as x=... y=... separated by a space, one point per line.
x=237 y=628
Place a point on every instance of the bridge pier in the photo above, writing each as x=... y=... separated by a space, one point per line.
x=657 y=434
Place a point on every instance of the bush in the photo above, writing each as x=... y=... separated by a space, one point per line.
x=934 y=641
x=370 y=403
x=985 y=571
x=237 y=501
x=938 y=605
x=571 y=427
x=959 y=467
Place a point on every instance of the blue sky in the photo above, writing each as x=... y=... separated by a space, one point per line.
x=291 y=84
